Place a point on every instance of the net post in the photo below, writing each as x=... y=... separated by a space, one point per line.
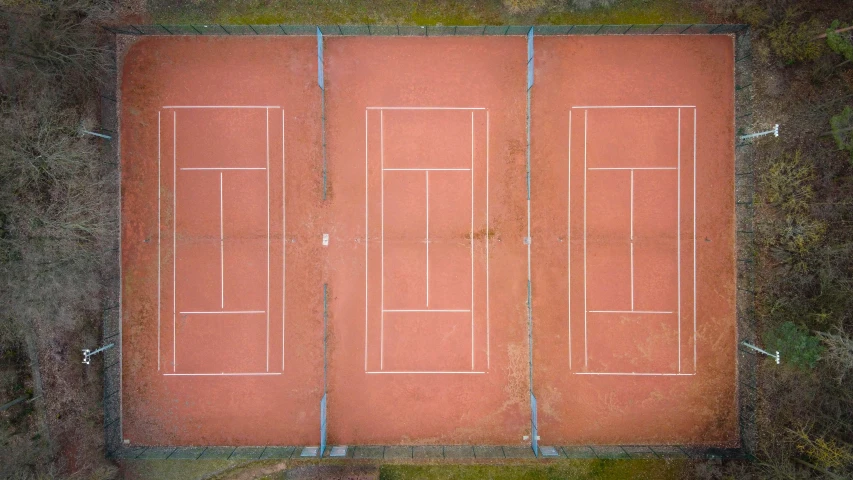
x=323 y=401
x=322 y=84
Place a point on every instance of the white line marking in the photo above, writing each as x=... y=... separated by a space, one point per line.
x=366 y=237
x=219 y=374
x=695 y=339
x=382 y=241
x=217 y=312
x=283 y=240
x=222 y=106
x=636 y=106
x=488 y=240
x=472 y=240
x=174 y=237
x=424 y=372
x=159 y=188
x=268 y=239
x=221 y=245
x=585 y=353
x=638 y=374
x=632 y=168
x=630 y=311
x=426 y=108
x=569 y=241
x=223 y=168
x=632 y=239
x=678 y=238
x=429 y=310
x=427 y=237
x=426 y=169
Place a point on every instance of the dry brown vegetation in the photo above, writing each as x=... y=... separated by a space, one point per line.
x=58 y=236
x=803 y=237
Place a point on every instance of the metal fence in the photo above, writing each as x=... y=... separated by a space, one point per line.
x=744 y=192
x=431 y=30
x=111 y=310
x=745 y=247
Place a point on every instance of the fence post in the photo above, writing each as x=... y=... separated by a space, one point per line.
x=196 y=30
x=224 y=29
x=166 y=29
x=686 y=29
x=253 y=29
x=659 y=27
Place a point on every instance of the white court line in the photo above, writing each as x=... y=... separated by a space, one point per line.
x=632 y=239
x=283 y=241
x=216 y=312
x=382 y=241
x=678 y=238
x=366 y=238
x=569 y=240
x=638 y=374
x=632 y=168
x=636 y=106
x=223 y=168
x=585 y=353
x=268 y=238
x=219 y=374
x=221 y=246
x=428 y=310
x=426 y=169
x=159 y=188
x=472 y=240
x=421 y=372
x=426 y=108
x=427 y=237
x=174 y=236
x=694 y=243
x=630 y=311
x=488 y=240
x=222 y=106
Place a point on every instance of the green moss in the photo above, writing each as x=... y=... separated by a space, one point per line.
x=391 y=12
x=627 y=12
x=575 y=469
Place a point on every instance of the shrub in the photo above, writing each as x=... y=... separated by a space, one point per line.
x=788 y=183
x=839 y=352
x=795 y=345
x=827 y=454
x=842 y=130
x=792 y=40
x=839 y=43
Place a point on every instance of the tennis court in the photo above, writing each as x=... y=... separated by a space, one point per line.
x=357 y=235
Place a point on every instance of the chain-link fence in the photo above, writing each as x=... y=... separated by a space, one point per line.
x=744 y=192
x=745 y=246
x=430 y=30
x=111 y=321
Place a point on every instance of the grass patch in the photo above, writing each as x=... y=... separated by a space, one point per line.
x=575 y=469
x=395 y=12
x=628 y=12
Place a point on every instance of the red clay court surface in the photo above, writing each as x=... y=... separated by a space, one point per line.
x=631 y=257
